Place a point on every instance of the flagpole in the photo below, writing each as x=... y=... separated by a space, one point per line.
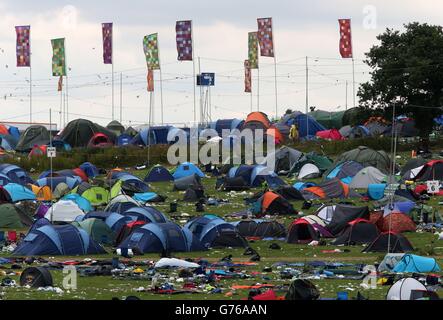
x=50 y=158
x=307 y=97
x=61 y=104
x=121 y=96
x=161 y=81
x=201 y=94
x=275 y=72
x=67 y=97
x=112 y=70
x=193 y=71
x=346 y=96
x=353 y=82
x=258 y=87
x=30 y=90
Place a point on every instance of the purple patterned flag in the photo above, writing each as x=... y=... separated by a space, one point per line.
x=265 y=37
x=183 y=38
x=107 y=42
x=23 y=46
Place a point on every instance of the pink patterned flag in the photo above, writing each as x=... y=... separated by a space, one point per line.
x=265 y=37
x=247 y=76
x=183 y=38
x=345 y=38
x=23 y=46
x=107 y=42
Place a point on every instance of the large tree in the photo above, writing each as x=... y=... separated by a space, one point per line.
x=407 y=70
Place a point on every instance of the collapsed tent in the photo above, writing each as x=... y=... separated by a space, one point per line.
x=33 y=135
x=345 y=171
x=273 y=203
x=15 y=174
x=389 y=242
x=161 y=237
x=395 y=221
x=260 y=228
x=79 y=132
x=367 y=157
x=50 y=240
x=329 y=189
x=214 y=232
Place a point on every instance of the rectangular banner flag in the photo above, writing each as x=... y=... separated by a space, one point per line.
x=60 y=84
x=107 y=42
x=183 y=38
x=150 y=80
x=265 y=37
x=253 y=50
x=58 y=57
x=345 y=38
x=23 y=46
x=150 y=47
x=248 y=81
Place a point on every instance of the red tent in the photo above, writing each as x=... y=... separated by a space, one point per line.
x=100 y=140
x=332 y=134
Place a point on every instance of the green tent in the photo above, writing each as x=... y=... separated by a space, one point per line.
x=97 y=230
x=116 y=127
x=34 y=135
x=11 y=217
x=97 y=196
x=78 y=132
x=323 y=163
x=329 y=120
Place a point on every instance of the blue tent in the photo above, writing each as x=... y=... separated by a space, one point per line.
x=301 y=121
x=302 y=185
x=120 y=207
x=187 y=169
x=15 y=173
x=124 y=140
x=226 y=124
x=5 y=144
x=18 y=192
x=159 y=237
x=147 y=214
x=145 y=196
x=57 y=240
x=55 y=181
x=211 y=230
x=158 y=173
x=60 y=145
x=113 y=220
x=345 y=171
x=4 y=180
x=376 y=191
x=133 y=183
x=411 y=263
x=261 y=174
x=14 y=132
x=141 y=139
x=81 y=202
x=244 y=171
x=161 y=134
x=90 y=170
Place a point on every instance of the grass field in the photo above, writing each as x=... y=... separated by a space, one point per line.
x=106 y=287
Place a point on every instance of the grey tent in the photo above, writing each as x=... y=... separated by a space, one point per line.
x=367 y=157
x=116 y=127
x=184 y=183
x=285 y=158
x=34 y=135
x=345 y=131
x=367 y=176
x=376 y=128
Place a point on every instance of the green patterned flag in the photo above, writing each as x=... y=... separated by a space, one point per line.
x=253 y=50
x=58 y=57
x=150 y=46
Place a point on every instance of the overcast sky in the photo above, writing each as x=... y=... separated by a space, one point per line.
x=301 y=28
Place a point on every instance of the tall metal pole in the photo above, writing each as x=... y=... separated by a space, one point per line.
x=30 y=81
x=61 y=105
x=193 y=72
x=275 y=76
x=307 y=97
x=121 y=96
x=67 y=98
x=353 y=83
x=346 y=96
x=258 y=88
x=112 y=85
x=161 y=82
x=50 y=158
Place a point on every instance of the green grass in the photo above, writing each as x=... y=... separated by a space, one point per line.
x=105 y=287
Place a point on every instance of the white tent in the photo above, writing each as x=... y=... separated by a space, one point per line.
x=411 y=174
x=367 y=176
x=63 y=211
x=175 y=263
x=309 y=171
x=402 y=289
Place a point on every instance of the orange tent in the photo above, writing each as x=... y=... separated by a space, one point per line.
x=260 y=117
x=42 y=193
x=274 y=132
x=317 y=191
x=3 y=129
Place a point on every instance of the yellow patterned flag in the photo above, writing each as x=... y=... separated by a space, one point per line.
x=253 y=50
x=58 y=57
x=150 y=47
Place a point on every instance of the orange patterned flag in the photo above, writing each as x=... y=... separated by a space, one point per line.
x=60 y=83
x=150 y=80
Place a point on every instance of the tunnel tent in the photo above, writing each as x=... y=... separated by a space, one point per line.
x=79 y=132
x=328 y=119
x=12 y=217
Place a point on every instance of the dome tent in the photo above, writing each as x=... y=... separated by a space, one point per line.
x=404 y=288
x=116 y=127
x=12 y=217
x=214 y=232
x=309 y=171
x=79 y=132
x=98 y=230
x=367 y=176
x=395 y=242
x=187 y=169
x=64 y=211
x=146 y=214
x=161 y=237
x=57 y=240
x=17 y=192
x=359 y=231
x=15 y=174
x=158 y=173
x=33 y=135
